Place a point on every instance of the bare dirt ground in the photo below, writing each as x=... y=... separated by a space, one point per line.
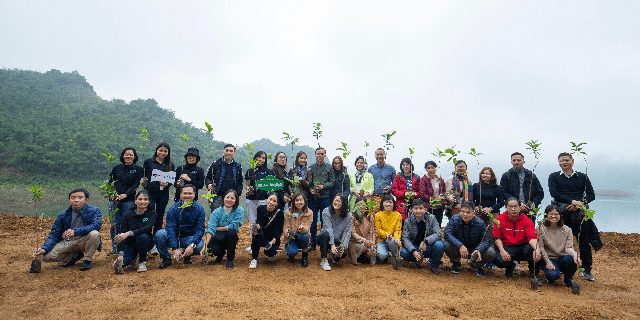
x=283 y=290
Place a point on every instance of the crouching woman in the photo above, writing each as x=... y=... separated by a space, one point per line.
x=335 y=232
x=267 y=230
x=297 y=220
x=362 y=244
x=388 y=231
x=222 y=231
x=136 y=240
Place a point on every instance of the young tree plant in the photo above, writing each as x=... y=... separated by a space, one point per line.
x=387 y=146
x=185 y=138
x=534 y=146
x=576 y=148
x=317 y=132
x=109 y=192
x=293 y=141
x=475 y=154
x=144 y=140
x=209 y=131
x=345 y=154
x=36 y=196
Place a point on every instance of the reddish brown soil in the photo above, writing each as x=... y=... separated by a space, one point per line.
x=280 y=289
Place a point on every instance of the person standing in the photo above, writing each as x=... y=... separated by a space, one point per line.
x=341 y=178
x=487 y=196
x=360 y=182
x=431 y=186
x=405 y=185
x=301 y=173
x=383 y=175
x=279 y=170
x=223 y=175
x=322 y=182
x=255 y=197
x=189 y=173
x=522 y=184
x=158 y=190
x=571 y=190
x=459 y=189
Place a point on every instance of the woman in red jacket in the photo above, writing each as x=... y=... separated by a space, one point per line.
x=405 y=186
x=432 y=186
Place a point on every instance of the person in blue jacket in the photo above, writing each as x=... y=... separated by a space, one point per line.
x=183 y=230
x=75 y=233
x=222 y=232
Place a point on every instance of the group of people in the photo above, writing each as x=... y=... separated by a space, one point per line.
x=371 y=215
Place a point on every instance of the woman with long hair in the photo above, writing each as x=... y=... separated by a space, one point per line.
x=459 y=189
x=301 y=176
x=341 y=178
x=405 y=186
x=432 y=186
x=335 y=232
x=487 y=195
x=158 y=191
x=268 y=230
x=279 y=170
x=362 y=245
x=296 y=229
x=255 y=197
x=135 y=238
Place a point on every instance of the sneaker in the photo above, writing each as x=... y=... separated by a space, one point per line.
x=587 y=276
x=75 y=258
x=508 y=271
x=86 y=265
x=113 y=251
x=397 y=263
x=248 y=250
x=324 y=264
x=490 y=266
x=229 y=264
x=575 y=287
x=455 y=268
x=271 y=259
x=165 y=263
x=117 y=267
x=478 y=269
x=153 y=251
x=435 y=270
x=142 y=266
x=517 y=266
x=218 y=259
x=253 y=264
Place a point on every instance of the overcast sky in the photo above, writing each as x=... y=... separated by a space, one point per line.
x=485 y=74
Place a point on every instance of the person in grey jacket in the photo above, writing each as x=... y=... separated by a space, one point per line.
x=322 y=180
x=335 y=232
x=422 y=237
x=465 y=232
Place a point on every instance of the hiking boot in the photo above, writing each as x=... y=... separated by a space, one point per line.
x=75 y=258
x=305 y=260
x=575 y=287
x=165 y=263
x=587 y=276
x=187 y=260
x=113 y=251
x=435 y=270
x=397 y=264
x=86 y=265
x=324 y=264
x=478 y=269
x=229 y=264
x=253 y=264
x=153 y=251
x=508 y=271
x=142 y=266
x=455 y=268
x=117 y=267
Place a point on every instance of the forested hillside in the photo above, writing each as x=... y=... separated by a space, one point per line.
x=55 y=126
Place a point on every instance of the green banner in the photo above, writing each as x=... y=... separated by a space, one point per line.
x=269 y=183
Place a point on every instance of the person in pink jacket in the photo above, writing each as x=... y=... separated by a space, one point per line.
x=405 y=186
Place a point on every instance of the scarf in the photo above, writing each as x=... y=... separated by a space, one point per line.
x=456 y=184
x=359 y=176
x=302 y=172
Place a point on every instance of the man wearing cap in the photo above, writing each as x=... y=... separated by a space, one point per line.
x=189 y=173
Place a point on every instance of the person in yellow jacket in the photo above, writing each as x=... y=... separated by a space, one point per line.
x=388 y=231
x=360 y=182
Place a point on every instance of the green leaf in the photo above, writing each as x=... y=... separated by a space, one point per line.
x=185 y=205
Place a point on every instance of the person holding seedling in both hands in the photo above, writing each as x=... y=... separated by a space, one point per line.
x=183 y=231
x=404 y=186
x=522 y=184
x=431 y=186
x=256 y=197
x=383 y=175
x=136 y=239
x=323 y=181
x=222 y=231
x=467 y=237
x=267 y=231
x=362 y=245
x=341 y=178
x=421 y=237
x=297 y=220
x=360 y=182
x=556 y=246
x=75 y=233
x=516 y=240
x=335 y=232
x=224 y=174
x=279 y=170
x=459 y=189
x=126 y=179
x=189 y=173
x=572 y=190
x=388 y=231
x=302 y=174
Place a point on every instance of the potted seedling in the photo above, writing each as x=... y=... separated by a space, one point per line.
x=534 y=146
x=36 y=192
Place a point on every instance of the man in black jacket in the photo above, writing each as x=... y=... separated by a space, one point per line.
x=521 y=184
x=570 y=190
x=224 y=174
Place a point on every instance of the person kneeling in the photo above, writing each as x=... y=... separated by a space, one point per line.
x=78 y=226
x=222 y=232
x=184 y=228
x=466 y=232
x=422 y=230
x=336 y=225
x=297 y=220
x=267 y=230
x=136 y=242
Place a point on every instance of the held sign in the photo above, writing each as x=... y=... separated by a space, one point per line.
x=269 y=183
x=168 y=177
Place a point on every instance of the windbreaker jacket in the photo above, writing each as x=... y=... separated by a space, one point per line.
x=475 y=235
x=213 y=176
x=90 y=216
x=187 y=222
x=516 y=232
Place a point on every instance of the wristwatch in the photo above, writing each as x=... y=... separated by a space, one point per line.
x=193 y=245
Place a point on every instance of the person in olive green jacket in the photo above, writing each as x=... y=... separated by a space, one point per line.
x=361 y=182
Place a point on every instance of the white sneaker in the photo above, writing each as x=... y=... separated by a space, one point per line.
x=324 y=264
x=153 y=251
x=142 y=267
x=253 y=264
x=517 y=266
x=248 y=250
x=272 y=258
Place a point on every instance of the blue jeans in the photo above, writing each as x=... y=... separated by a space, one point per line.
x=565 y=265
x=434 y=252
x=300 y=242
x=159 y=202
x=140 y=250
x=386 y=247
x=161 y=240
x=316 y=205
x=117 y=217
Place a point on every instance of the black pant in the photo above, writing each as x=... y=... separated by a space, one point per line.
x=259 y=240
x=323 y=241
x=573 y=219
x=438 y=212
x=224 y=242
x=521 y=252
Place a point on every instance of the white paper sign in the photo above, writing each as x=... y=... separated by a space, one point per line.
x=168 y=177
